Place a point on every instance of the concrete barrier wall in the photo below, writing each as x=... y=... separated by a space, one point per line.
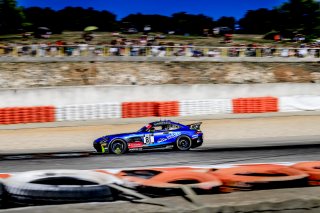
x=102 y=94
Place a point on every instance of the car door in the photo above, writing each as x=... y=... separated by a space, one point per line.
x=148 y=138
x=161 y=136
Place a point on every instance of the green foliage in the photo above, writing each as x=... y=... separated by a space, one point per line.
x=11 y=16
x=225 y=21
x=290 y=18
x=294 y=16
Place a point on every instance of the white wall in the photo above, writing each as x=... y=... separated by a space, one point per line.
x=102 y=94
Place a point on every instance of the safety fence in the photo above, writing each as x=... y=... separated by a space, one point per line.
x=44 y=50
x=79 y=186
x=15 y=115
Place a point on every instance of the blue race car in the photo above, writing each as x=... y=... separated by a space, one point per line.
x=156 y=135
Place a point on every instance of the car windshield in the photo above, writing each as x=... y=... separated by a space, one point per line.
x=145 y=128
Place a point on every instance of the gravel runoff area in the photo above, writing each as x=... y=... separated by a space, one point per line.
x=220 y=131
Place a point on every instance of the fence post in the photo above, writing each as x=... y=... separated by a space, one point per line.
x=205 y=51
x=127 y=51
x=147 y=51
x=168 y=53
x=258 y=52
x=1 y=50
x=224 y=52
x=61 y=51
x=15 y=51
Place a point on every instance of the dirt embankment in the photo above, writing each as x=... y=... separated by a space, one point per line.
x=19 y=75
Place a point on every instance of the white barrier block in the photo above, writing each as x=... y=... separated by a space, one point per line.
x=299 y=103
x=205 y=107
x=88 y=111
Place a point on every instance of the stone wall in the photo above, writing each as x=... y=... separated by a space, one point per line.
x=35 y=74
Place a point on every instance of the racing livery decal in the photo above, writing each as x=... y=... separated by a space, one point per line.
x=148 y=139
x=172 y=135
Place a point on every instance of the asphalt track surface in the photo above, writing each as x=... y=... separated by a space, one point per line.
x=201 y=156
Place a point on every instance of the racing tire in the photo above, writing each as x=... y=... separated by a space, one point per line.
x=118 y=147
x=51 y=187
x=183 y=143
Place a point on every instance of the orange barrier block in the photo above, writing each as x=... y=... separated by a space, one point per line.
x=4 y=175
x=255 y=105
x=16 y=115
x=312 y=168
x=150 y=109
x=168 y=109
x=138 y=109
x=262 y=176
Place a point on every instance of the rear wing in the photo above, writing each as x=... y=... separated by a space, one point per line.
x=195 y=126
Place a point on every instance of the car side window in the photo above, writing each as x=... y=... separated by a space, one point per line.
x=173 y=127
x=158 y=128
x=155 y=128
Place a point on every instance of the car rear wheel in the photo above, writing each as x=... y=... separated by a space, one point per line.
x=183 y=143
x=118 y=147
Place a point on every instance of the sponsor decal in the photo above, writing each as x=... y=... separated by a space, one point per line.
x=195 y=136
x=136 y=149
x=162 y=140
x=135 y=145
x=170 y=136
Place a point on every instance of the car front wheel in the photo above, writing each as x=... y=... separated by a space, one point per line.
x=118 y=147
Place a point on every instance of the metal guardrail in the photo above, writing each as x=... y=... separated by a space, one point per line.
x=154 y=51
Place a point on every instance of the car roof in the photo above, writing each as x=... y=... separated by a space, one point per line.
x=164 y=122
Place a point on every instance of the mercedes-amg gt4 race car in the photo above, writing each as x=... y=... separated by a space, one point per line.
x=156 y=135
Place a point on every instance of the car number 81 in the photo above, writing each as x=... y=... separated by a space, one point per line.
x=148 y=139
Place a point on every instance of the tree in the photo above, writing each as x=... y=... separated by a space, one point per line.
x=294 y=16
x=258 y=21
x=192 y=24
x=42 y=17
x=77 y=18
x=11 y=16
x=225 y=21
x=299 y=16
x=159 y=23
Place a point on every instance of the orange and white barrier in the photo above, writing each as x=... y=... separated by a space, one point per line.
x=79 y=112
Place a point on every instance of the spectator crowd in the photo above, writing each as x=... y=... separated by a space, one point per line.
x=150 y=46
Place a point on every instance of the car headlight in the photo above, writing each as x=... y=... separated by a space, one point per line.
x=101 y=140
x=104 y=141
